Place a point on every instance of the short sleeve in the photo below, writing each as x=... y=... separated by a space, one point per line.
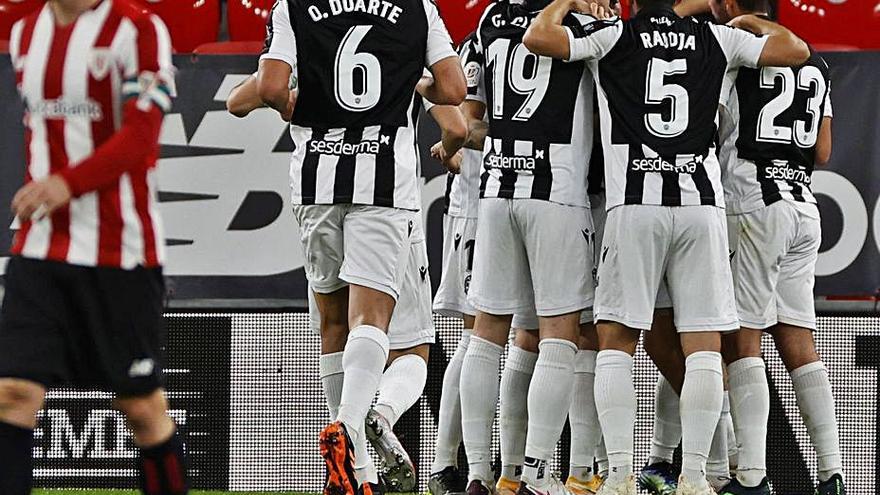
x=280 y=41
x=472 y=65
x=592 y=39
x=425 y=103
x=741 y=47
x=439 y=42
x=149 y=72
x=827 y=111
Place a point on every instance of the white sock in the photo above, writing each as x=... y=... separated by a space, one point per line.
x=330 y=366
x=727 y=419
x=549 y=402
x=362 y=361
x=718 y=465
x=616 y=405
x=583 y=418
x=813 y=391
x=401 y=387
x=667 y=423
x=449 y=417
x=750 y=405
x=514 y=413
x=701 y=398
x=602 y=458
x=479 y=396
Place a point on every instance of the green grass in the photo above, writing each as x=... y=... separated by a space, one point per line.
x=135 y=492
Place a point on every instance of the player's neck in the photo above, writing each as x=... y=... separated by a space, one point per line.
x=67 y=11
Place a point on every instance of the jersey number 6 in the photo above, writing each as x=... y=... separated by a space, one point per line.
x=358 y=78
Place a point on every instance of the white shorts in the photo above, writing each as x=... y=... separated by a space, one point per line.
x=685 y=244
x=600 y=216
x=411 y=323
x=773 y=257
x=355 y=244
x=459 y=235
x=529 y=320
x=532 y=255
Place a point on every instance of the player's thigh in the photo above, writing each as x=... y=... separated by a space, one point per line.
x=119 y=331
x=320 y=230
x=411 y=323
x=501 y=282
x=559 y=241
x=631 y=264
x=32 y=320
x=698 y=271
x=377 y=244
x=459 y=238
x=797 y=276
x=758 y=241
x=528 y=320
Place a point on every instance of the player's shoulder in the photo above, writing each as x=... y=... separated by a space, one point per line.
x=586 y=24
x=816 y=60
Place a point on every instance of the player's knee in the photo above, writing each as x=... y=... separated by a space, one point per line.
x=20 y=399
x=797 y=354
x=143 y=413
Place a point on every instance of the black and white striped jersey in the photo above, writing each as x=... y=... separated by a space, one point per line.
x=463 y=189
x=540 y=112
x=659 y=81
x=769 y=128
x=356 y=64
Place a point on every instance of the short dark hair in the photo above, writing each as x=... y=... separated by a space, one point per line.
x=655 y=3
x=754 y=5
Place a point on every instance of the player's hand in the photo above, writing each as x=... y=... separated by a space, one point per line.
x=453 y=163
x=600 y=11
x=39 y=199
x=287 y=114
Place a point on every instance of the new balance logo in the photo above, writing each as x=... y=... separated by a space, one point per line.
x=141 y=367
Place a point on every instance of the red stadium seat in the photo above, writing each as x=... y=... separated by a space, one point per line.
x=190 y=22
x=854 y=23
x=230 y=48
x=247 y=19
x=13 y=10
x=4 y=46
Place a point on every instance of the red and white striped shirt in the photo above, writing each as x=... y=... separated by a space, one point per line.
x=95 y=92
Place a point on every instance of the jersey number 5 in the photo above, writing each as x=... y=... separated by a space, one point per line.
x=657 y=92
x=358 y=76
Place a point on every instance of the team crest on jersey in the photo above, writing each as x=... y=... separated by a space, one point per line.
x=100 y=63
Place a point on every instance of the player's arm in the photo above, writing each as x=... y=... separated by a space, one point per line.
x=244 y=98
x=447 y=87
x=149 y=79
x=547 y=36
x=823 y=143
x=453 y=134
x=782 y=49
x=278 y=63
x=474 y=111
x=686 y=8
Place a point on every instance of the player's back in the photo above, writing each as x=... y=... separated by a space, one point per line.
x=770 y=132
x=661 y=78
x=539 y=110
x=356 y=64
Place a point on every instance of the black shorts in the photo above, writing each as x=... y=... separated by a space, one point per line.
x=84 y=327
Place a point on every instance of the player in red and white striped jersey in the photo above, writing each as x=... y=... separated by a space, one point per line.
x=84 y=289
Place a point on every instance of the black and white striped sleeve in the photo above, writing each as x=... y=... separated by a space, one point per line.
x=472 y=64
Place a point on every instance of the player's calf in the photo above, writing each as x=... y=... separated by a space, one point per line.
x=19 y=402
x=163 y=461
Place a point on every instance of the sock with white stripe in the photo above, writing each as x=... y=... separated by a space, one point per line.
x=449 y=417
x=812 y=388
x=701 y=398
x=330 y=370
x=479 y=396
x=363 y=361
x=583 y=418
x=667 y=423
x=513 y=418
x=616 y=406
x=750 y=405
x=401 y=387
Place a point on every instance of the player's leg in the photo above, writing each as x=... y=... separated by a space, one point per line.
x=333 y=331
x=630 y=273
x=703 y=310
x=559 y=242
x=501 y=287
x=583 y=419
x=794 y=340
x=513 y=417
x=19 y=402
x=757 y=241
x=451 y=300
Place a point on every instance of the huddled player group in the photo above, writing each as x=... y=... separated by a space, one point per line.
x=609 y=181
